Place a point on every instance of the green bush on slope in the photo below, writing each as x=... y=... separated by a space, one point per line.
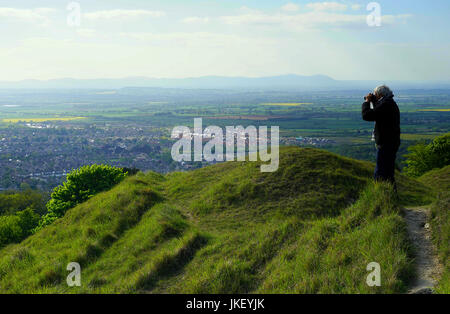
x=13 y=201
x=15 y=228
x=10 y=230
x=81 y=184
x=423 y=158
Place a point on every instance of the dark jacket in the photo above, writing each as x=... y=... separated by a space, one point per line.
x=387 y=120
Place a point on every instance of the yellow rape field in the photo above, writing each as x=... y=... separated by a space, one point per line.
x=436 y=110
x=287 y=104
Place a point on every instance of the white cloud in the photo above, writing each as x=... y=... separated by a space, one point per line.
x=196 y=20
x=38 y=15
x=290 y=7
x=327 y=6
x=315 y=19
x=186 y=54
x=122 y=14
x=356 y=7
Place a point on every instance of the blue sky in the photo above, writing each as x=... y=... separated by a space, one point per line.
x=191 y=38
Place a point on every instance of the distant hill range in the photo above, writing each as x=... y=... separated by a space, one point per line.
x=291 y=81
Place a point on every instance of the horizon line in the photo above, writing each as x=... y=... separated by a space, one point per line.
x=224 y=77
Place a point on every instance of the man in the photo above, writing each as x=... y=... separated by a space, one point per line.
x=386 y=115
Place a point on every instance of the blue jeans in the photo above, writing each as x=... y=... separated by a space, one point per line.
x=385 y=168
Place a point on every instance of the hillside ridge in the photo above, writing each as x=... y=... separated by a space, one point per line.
x=227 y=228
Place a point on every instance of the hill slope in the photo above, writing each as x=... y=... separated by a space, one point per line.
x=311 y=227
x=439 y=180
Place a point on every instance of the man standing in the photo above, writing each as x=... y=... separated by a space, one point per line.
x=386 y=115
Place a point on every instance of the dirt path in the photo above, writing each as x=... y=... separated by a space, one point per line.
x=427 y=263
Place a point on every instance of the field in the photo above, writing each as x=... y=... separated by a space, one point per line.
x=131 y=127
x=418 y=137
x=297 y=114
x=287 y=104
x=435 y=110
x=42 y=119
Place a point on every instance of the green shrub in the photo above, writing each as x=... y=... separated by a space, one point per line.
x=28 y=220
x=15 y=228
x=81 y=184
x=10 y=230
x=423 y=158
x=14 y=201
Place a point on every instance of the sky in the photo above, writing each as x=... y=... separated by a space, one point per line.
x=49 y=39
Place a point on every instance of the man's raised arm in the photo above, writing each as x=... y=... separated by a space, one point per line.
x=367 y=113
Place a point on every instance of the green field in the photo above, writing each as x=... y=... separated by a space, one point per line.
x=49 y=119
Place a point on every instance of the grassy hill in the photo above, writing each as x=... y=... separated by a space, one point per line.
x=438 y=179
x=311 y=227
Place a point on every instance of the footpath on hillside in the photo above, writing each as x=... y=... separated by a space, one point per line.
x=427 y=263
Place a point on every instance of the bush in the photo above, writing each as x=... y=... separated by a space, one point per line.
x=423 y=158
x=15 y=228
x=10 y=230
x=28 y=220
x=81 y=184
x=13 y=201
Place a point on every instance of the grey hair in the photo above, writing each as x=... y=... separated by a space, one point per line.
x=383 y=91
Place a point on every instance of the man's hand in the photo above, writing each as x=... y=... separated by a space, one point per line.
x=370 y=97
